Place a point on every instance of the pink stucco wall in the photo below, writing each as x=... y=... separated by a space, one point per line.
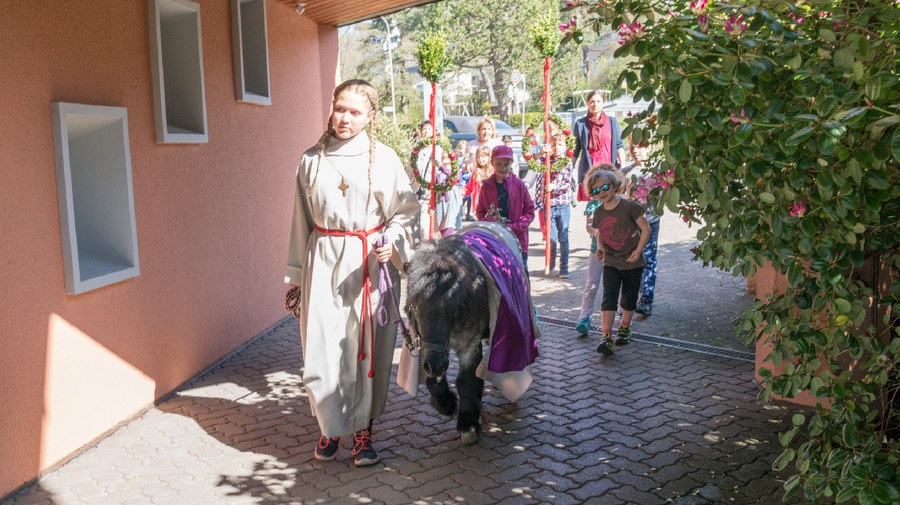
x=212 y=219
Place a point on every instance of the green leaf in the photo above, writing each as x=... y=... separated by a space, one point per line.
x=845 y=494
x=877 y=180
x=743 y=131
x=782 y=462
x=842 y=305
x=815 y=384
x=767 y=197
x=850 y=436
x=800 y=136
x=737 y=95
x=858 y=71
x=895 y=144
x=791 y=486
x=827 y=35
x=850 y=116
x=885 y=492
x=685 y=91
x=873 y=88
x=843 y=58
x=798 y=419
x=886 y=121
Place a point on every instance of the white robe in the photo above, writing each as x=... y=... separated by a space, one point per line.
x=342 y=396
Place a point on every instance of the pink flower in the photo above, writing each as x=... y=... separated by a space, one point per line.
x=797 y=19
x=798 y=209
x=739 y=118
x=630 y=32
x=838 y=24
x=697 y=7
x=735 y=25
x=569 y=27
x=641 y=192
x=703 y=21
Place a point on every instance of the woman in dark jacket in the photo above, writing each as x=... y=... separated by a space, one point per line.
x=597 y=140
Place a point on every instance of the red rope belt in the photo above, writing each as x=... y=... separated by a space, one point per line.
x=366 y=317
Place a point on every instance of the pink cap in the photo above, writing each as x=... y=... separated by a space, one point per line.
x=502 y=151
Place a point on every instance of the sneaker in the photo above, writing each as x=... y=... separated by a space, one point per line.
x=607 y=347
x=644 y=309
x=363 y=453
x=327 y=448
x=563 y=275
x=584 y=326
x=623 y=336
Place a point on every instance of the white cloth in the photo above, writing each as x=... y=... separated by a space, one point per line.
x=341 y=395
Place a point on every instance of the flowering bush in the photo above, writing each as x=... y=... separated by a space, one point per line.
x=778 y=124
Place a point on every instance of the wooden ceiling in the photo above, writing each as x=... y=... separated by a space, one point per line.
x=347 y=12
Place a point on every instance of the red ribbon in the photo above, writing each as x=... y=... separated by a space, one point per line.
x=366 y=317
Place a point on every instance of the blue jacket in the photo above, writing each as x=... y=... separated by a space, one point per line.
x=582 y=135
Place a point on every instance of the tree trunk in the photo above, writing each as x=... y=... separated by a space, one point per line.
x=499 y=86
x=492 y=98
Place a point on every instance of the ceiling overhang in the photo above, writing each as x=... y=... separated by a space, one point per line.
x=347 y=12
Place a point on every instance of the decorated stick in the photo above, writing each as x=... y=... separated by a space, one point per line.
x=431 y=54
x=546 y=37
x=549 y=175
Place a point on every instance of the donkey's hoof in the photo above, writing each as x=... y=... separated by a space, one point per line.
x=469 y=437
x=444 y=405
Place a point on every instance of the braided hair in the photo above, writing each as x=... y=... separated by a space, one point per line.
x=363 y=88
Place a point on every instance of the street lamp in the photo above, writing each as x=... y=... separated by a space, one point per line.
x=389 y=41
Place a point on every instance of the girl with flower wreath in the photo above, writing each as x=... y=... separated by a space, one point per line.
x=481 y=171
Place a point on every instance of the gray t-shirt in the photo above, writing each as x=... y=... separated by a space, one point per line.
x=619 y=233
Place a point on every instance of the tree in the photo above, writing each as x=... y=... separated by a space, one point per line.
x=488 y=37
x=778 y=127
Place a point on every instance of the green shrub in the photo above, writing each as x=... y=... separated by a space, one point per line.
x=777 y=132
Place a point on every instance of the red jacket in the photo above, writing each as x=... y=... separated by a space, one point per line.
x=521 y=207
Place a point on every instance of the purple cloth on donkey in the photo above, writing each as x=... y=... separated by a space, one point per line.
x=513 y=345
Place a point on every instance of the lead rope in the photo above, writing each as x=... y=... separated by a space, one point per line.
x=385 y=289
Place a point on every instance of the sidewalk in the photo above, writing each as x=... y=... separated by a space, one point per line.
x=650 y=425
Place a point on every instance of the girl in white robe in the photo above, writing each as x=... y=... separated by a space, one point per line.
x=350 y=191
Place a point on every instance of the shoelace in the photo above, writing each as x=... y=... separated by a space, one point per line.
x=324 y=442
x=362 y=441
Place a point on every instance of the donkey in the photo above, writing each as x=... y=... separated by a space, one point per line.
x=448 y=307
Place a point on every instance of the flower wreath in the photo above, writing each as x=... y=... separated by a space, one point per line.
x=439 y=188
x=528 y=141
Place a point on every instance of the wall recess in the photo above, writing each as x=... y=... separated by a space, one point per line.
x=177 y=65
x=251 y=51
x=96 y=199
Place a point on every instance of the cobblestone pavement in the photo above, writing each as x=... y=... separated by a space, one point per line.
x=650 y=425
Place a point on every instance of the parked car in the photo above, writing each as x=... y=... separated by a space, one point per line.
x=458 y=128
